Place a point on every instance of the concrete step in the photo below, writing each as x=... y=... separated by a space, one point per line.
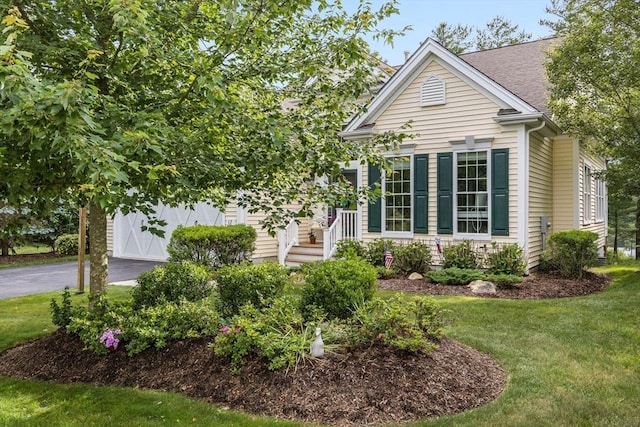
x=302 y=258
x=307 y=249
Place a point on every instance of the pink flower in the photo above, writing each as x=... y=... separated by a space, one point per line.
x=109 y=338
x=225 y=329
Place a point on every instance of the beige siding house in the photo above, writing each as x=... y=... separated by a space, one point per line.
x=486 y=162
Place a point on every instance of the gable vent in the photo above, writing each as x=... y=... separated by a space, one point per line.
x=432 y=91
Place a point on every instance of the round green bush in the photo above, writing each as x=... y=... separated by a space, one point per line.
x=212 y=245
x=507 y=259
x=67 y=244
x=246 y=282
x=572 y=252
x=337 y=287
x=172 y=282
x=461 y=255
x=413 y=257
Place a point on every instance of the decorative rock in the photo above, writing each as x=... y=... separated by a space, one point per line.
x=415 y=276
x=482 y=287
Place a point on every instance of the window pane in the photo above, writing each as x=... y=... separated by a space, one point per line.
x=472 y=209
x=398 y=197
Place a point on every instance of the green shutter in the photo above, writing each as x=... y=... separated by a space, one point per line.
x=445 y=193
x=374 y=214
x=420 y=193
x=500 y=192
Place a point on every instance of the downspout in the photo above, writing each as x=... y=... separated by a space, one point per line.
x=526 y=195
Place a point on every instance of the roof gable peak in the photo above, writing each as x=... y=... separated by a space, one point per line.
x=416 y=62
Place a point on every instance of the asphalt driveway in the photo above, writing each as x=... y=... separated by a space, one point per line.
x=17 y=281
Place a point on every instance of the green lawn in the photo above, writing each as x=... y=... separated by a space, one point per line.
x=34 y=248
x=569 y=362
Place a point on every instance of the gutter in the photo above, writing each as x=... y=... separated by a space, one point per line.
x=525 y=224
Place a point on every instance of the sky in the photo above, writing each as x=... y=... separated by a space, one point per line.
x=425 y=15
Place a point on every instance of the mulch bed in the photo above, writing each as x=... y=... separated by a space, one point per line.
x=12 y=259
x=368 y=386
x=535 y=286
x=365 y=386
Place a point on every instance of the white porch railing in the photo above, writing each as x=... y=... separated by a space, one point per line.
x=350 y=224
x=287 y=238
x=344 y=227
x=331 y=237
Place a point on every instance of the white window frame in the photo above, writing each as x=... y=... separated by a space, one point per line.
x=471 y=236
x=399 y=234
x=600 y=200
x=471 y=145
x=587 y=195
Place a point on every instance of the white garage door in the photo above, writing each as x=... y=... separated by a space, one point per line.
x=130 y=242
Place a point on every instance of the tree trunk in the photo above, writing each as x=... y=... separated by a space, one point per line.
x=4 y=244
x=98 y=251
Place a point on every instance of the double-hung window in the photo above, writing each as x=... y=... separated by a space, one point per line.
x=473 y=190
x=398 y=196
x=586 y=198
x=600 y=200
x=403 y=208
x=472 y=194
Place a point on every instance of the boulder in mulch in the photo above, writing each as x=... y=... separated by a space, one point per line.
x=482 y=287
x=415 y=276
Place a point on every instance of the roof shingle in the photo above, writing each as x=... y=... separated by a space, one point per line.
x=518 y=68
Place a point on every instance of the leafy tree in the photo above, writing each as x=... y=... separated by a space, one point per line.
x=121 y=104
x=12 y=222
x=453 y=37
x=498 y=32
x=623 y=189
x=595 y=82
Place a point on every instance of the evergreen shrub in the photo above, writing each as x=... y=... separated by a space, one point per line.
x=211 y=245
x=460 y=255
x=571 y=252
x=507 y=259
x=173 y=282
x=412 y=257
x=67 y=244
x=246 y=282
x=336 y=287
x=455 y=276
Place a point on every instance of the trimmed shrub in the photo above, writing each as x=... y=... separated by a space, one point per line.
x=460 y=255
x=211 y=245
x=413 y=257
x=455 y=276
x=504 y=280
x=350 y=249
x=507 y=259
x=337 y=287
x=244 y=283
x=67 y=244
x=571 y=252
x=173 y=282
x=412 y=324
x=376 y=250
